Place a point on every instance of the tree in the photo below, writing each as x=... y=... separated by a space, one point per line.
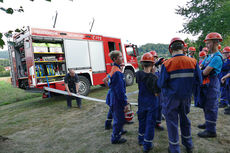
x=205 y=16
x=2 y=68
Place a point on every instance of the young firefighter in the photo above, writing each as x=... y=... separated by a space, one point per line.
x=185 y=50
x=205 y=49
x=224 y=101
x=72 y=85
x=191 y=51
x=108 y=121
x=211 y=67
x=160 y=97
x=226 y=80
x=147 y=102
x=202 y=56
x=178 y=77
x=116 y=98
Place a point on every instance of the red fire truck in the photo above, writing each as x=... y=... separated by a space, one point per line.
x=41 y=57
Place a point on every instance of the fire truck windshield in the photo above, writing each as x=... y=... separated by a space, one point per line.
x=130 y=50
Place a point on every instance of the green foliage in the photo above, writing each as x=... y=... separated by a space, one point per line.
x=161 y=49
x=2 y=68
x=4 y=62
x=205 y=16
x=4 y=73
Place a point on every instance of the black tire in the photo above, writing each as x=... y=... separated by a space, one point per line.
x=84 y=86
x=129 y=77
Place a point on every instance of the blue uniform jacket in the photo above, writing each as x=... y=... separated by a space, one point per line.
x=116 y=96
x=179 y=75
x=146 y=99
x=225 y=68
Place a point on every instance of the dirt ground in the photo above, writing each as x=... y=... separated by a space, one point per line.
x=46 y=126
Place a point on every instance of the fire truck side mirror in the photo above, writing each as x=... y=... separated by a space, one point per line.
x=135 y=49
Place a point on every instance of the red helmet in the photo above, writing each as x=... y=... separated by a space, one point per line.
x=174 y=40
x=147 y=57
x=219 y=47
x=226 y=49
x=154 y=53
x=213 y=36
x=193 y=49
x=129 y=114
x=185 y=45
x=202 y=54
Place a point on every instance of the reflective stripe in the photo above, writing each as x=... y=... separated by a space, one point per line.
x=148 y=140
x=211 y=121
x=186 y=137
x=140 y=134
x=109 y=119
x=181 y=75
x=174 y=143
x=132 y=93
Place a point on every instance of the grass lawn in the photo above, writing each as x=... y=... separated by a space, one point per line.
x=36 y=125
x=9 y=94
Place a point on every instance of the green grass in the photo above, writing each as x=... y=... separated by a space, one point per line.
x=10 y=94
x=47 y=126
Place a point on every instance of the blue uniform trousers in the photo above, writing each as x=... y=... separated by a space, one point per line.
x=224 y=95
x=159 y=110
x=147 y=122
x=209 y=99
x=109 y=118
x=118 y=122
x=178 y=109
x=69 y=98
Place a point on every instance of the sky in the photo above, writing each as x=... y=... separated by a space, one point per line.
x=135 y=21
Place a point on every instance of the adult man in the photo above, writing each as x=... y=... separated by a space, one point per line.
x=72 y=85
x=178 y=77
x=211 y=67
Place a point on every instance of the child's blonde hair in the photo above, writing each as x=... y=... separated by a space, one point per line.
x=114 y=54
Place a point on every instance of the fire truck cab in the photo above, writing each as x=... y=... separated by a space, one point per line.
x=41 y=58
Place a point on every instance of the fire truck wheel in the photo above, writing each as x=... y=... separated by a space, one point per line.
x=84 y=85
x=129 y=77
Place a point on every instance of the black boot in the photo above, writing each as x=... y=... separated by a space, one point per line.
x=169 y=150
x=227 y=109
x=223 y=105
x=227 y=112
x=202 y=126
x=146 y=151
x=124 y=132
x=207 y=134
x=120 y=141
x=189 y=150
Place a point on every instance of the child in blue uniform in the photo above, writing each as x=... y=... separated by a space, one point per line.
x=210 y=89
x=116 y=98
x=178 y=77
x=224 y=101
x=147 y=102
